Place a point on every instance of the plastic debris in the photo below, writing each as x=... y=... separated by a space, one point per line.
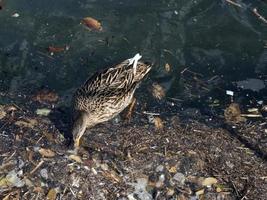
x=229 y=92
x=43 y=111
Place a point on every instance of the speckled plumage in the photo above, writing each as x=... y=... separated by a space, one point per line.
x=105 y=95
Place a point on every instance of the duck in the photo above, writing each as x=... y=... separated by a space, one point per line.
x=105 y=94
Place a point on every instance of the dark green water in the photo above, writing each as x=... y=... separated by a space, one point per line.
x=209 y=36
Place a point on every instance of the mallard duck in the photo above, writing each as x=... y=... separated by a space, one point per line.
x=106 y=94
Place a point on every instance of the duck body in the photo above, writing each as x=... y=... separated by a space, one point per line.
x=106 y=94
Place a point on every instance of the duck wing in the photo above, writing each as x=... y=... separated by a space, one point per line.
x=118 y=79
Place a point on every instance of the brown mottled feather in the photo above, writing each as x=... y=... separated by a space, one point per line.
x=106 y=94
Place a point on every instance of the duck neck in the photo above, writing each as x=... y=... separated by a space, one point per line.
x=79 y=127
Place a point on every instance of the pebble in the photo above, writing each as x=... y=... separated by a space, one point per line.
x=178 y=179
x=159 y=168
x=44 y=173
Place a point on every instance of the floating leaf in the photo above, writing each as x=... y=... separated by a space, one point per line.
x=157 y=91
x=92 y=23
x=45 y=96
x=167 y=67
x=43 y=111
x=209 y=181
x=75 y=158
x=47 y=152
x=52 y=49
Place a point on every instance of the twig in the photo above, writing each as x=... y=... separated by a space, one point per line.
x=11 y=156
x=72 y=192
x=235 y=189
x=37 y=167
x=184 y=70
x=234 y=3
x=255 y=11
x=37 y=197
x=191 y=72
x=168 y=51
x=39 y=139
x=251 y=115
x=151 y=113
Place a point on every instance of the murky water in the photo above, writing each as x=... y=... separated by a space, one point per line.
x=210 y=37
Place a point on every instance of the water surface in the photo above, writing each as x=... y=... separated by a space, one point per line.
x=210 y=37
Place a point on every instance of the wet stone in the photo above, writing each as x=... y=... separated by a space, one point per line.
x=44 y=173
x=159 y=168
x=178 y=179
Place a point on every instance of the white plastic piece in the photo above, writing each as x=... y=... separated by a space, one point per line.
x=229 y=92
x=15 y=15
x=134 y=61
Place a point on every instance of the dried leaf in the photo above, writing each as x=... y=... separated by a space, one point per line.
x=167 y=67
x=173 y=169
x=92 y=23
x=170 y=192
x=30 y=155
x=29 y=123
x=233 y=113
x=47 y=152
x=45 y=96
x=218 y=189
x=200 y=192
x=52 y=194
x=49 y=137
x=38 y=190
x=75 y=158
x=11 y=108
x=209 y=181
x=7 y=166
x=12 y=179
x=158 y=123
x=14 y=195
x=4 y=182
x=157 y=91
x=112 y=175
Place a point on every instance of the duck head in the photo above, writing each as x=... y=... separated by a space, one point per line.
x=79 y=126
